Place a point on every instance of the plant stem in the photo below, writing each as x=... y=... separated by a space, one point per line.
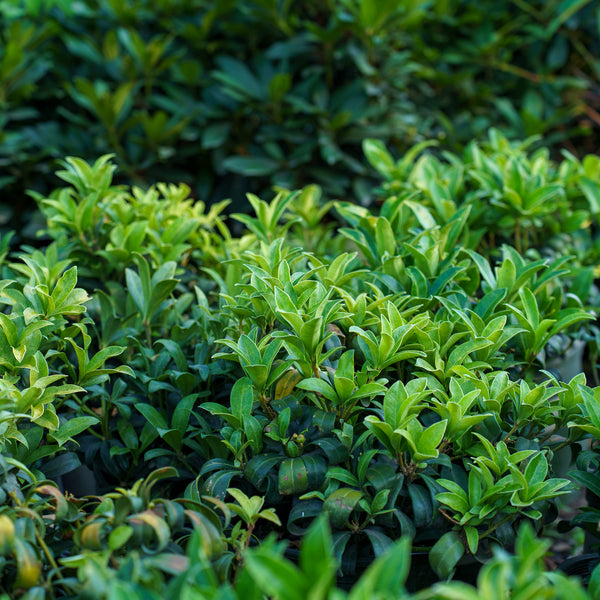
x=520 y=72
x=250 y=530
x=492 y=527
x=315 y=370
x=266 y=405
x=561 y=445
x=148 y=332
x=518 y=244
x=45 y=548
x=548 y=436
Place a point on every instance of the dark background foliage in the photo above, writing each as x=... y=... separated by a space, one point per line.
x=232 y=97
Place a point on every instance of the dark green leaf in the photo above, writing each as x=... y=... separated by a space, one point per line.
x=251 y=166
x=446 y=553
x=340 y=504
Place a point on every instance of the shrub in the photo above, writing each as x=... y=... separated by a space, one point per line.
x=243 y=96
x=385 y=367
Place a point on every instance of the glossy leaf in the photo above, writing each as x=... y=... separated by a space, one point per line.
x=445 y=554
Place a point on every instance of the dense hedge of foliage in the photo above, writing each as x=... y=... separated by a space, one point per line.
x=312 y=398
x=180 y=402
x=232 y=97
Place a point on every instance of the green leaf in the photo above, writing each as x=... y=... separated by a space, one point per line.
x=445 y=554
x=423 y=215
x=333 y=449
x=161 y=290
x=64 y=286
x=432 y=437
x=591 y=190
x=316 y=557
x=279 y=86
x=310 y=333
x=237 y=77
x=251 y=166
x=570 y=8
x=487 y=305
x=293 y=476
x=506 y=274
x=377 y=154
x=61 y=506
x=61 y=464
x=9 y=328
x=97 y=361
x=460 y=353
x=343 y=476
x=153 y=417
x=159 y=526
x=379 y=541
x=218 y=483
x=386 y=576
x=119 y=536
x=312 y=384
x=384 y=238
x=591 y=481
x=248 y=507
x=276 y=576
x=182 y=412
x=594 y=588
x=484 y=268
x=175 y=351
x=421 y=504
x=537 y=469
x=219 y=410
x=254 y=433
x=472 y=538
x=241 y=398
x=72 y=428
x=215 y=135
x=340 y=504
x=316 y=468
x=136 y=290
